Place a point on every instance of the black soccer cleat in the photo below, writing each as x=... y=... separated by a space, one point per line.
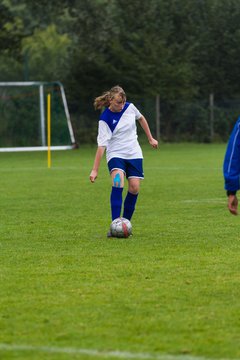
x=109 y=234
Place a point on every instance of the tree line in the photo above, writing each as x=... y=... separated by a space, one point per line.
x=182 y=51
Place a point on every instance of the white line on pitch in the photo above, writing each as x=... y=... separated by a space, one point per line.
x=191 y=201
x=188 y=168
x=99 y=353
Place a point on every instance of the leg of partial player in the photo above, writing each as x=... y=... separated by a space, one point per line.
x=131 y=197
x=116 y=193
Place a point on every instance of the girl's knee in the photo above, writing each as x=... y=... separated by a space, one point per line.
x=117 y=179
x=133 y=188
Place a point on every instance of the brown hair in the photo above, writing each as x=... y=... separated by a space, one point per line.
x=104 y=99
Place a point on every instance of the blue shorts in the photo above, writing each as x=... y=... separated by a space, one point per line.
x=132 y=168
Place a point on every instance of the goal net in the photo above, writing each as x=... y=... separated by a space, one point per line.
x=23 y=117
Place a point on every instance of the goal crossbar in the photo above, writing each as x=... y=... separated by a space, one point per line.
x=36 y=148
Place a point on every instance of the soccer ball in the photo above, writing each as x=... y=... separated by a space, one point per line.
x=121 y=228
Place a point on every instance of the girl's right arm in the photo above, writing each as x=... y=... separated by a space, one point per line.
x=98 y=157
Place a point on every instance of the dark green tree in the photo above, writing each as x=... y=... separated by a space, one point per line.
x=122 y=42
x=217 y=50
x=10 y=31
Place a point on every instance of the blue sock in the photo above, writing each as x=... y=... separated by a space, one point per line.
x=116 y=202
x=129 y=205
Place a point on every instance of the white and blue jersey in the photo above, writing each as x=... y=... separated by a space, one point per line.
x=117 y=131
x=231 y=165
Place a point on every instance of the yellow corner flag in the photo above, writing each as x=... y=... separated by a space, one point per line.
x=49 y=128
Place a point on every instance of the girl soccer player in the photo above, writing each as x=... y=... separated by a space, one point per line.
x=117 y=133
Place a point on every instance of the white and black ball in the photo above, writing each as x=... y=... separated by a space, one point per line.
x=121 y=228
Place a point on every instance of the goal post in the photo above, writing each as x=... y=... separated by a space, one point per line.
x=23 y=117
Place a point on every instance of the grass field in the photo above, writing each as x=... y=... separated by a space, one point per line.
x=171 y=292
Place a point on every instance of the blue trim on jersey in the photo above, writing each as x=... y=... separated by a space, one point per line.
x=112 y=118
x=231 y=165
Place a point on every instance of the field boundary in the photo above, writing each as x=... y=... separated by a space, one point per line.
x=101 y=353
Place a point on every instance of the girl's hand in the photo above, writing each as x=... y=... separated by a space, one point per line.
x=233 y=204
x=93 y=175
x=153 y=143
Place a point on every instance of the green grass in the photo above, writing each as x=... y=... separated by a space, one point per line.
x=172 y=289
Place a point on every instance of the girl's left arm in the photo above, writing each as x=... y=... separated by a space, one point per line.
x=144 y=124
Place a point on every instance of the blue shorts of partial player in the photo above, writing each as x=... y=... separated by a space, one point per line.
x=132 y=168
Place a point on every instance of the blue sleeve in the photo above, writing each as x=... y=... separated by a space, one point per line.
x=231 y=165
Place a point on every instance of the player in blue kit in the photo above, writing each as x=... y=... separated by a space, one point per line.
x=117 y=134
x=231 y=168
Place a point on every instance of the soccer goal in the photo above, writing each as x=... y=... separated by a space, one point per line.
x=23 y=109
